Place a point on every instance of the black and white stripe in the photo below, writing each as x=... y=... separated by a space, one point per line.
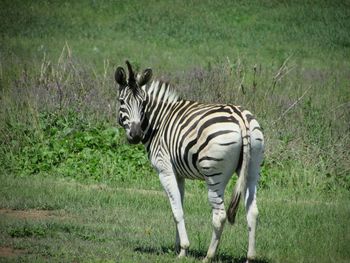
x=189 y=139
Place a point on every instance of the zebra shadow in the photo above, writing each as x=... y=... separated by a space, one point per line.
x=197 y=254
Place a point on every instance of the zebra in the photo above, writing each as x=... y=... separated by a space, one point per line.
x=189 y=139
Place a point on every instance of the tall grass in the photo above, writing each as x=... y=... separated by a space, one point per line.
x=59 y=117
x=304 y=113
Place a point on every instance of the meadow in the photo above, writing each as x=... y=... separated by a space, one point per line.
x=73 y=190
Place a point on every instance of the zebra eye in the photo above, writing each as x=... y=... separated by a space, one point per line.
x=121 y=101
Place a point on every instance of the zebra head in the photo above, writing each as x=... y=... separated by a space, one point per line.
x=132 y=100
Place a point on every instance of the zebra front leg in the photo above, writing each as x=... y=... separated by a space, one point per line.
x=172 y=189
x=181 y=185
x=216 y=199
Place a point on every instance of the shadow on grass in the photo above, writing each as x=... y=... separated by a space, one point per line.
x=198 y=254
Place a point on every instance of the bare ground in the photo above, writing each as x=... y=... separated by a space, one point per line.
x=6 y=252
x=31 y=214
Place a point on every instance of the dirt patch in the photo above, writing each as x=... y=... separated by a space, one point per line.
x=11 y=252
x=32 y=214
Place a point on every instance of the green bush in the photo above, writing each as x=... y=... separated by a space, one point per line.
x=74 y=147
x=68 y=144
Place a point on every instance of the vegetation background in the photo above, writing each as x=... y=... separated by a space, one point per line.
x=83 y=194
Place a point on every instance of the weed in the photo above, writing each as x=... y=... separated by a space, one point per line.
x=27 y=230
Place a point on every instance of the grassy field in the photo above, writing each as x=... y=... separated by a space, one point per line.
x=172 y=36
x=73 y=190
x=64 y=221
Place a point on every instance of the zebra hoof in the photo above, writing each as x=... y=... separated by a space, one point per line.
x=183 y=253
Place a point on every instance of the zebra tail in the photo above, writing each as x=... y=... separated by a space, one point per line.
x=240 y=187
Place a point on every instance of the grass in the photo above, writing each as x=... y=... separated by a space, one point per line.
x=315 y=32
x=60 y=119
x=73 y=190
x=103 y=223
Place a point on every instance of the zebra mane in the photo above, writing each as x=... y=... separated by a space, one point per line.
x=161 y=91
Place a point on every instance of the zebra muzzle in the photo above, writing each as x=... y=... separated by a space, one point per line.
x=135 y=134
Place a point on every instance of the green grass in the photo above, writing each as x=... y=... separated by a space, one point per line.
x=62 y=152
x=180 y=35
x=104 y=223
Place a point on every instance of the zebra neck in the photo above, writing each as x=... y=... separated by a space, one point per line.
x=157 y=112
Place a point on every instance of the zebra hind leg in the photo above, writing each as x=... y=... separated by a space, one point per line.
x=257 y=149
x=252 y=214
x=216 y=199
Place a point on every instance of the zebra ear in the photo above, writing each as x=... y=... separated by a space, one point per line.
x=120 y=76
x=145 y=77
